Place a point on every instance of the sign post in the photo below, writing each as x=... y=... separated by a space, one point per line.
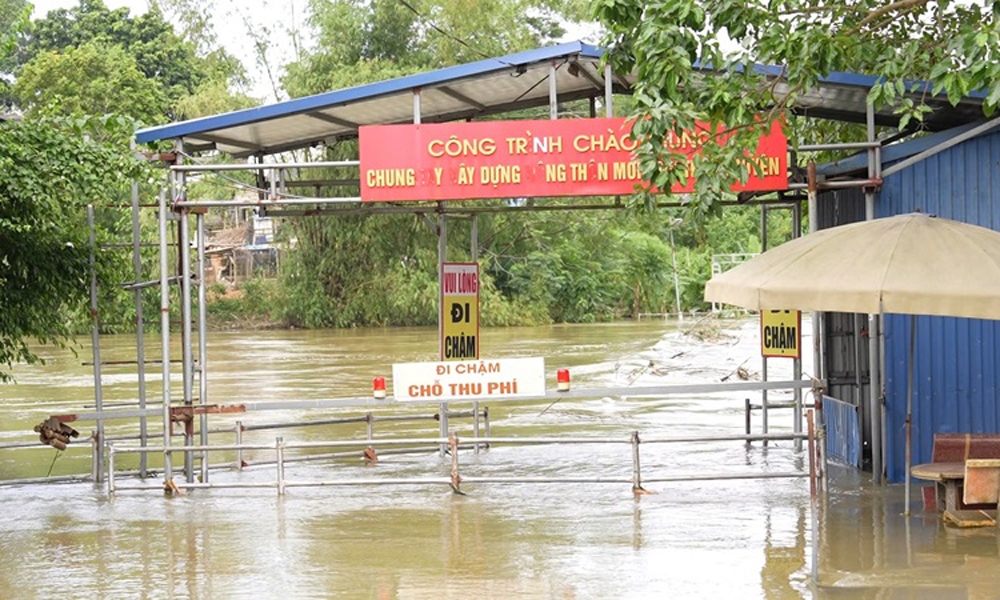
x=459 y=311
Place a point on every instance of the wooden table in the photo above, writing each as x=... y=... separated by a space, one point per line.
x=947 y=475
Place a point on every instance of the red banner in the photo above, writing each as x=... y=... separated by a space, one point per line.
x=522 y=159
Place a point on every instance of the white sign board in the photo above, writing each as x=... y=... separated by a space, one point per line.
x=469 y=380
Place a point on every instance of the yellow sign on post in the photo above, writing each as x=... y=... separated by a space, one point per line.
x=459 y=311
x=781 y=333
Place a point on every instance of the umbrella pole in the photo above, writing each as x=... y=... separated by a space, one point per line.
x=909 y=412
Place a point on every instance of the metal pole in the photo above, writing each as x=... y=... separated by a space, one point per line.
x=187 y=357
x=636 y=474
x=746 y=416
x=456 y=479
x=474 y=234
x=874 y=371
x=96 y=343
x=486 y=422
x=140 y=327
x=111 y=468
x=797 y=394
x=279 y=447
x=165 y=331
x=239 y=444
x=553 y=92
x=608 y=89
x=817 y=317
x=812 y=457
x=202 y=343
x=677 y=284
x=909 y=411
x=764 y=407
x=475 y=424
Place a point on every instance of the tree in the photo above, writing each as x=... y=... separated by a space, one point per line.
x=88 y=80
x=389 y=38
x=158 y=53
x=50 y=169
x=694 y=59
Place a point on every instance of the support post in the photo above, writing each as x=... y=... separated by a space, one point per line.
x=95 y=329
x=609 y=110
x=819 y=334
x=442 y=253
x=456 y=479
x=486 y=422
x=475 y=424
x=187 y=357
x=764 y=423
x=140 y=329
x=239 y=442
x=874 y=325
x=165 y=333
x=636 y=473
x=202 y=344
x=279 y=451
x=553 y=92
x=746 y=416
x=111 y=468
x=797 y=411
x=812 y=456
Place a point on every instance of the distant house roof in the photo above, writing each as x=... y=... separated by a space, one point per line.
x=495 y=85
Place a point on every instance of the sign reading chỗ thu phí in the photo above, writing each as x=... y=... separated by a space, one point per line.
x=469 y=380
x=781 y=333
x=523 y=159
x=459 y=311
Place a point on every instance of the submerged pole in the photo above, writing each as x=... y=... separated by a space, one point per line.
x=140 y=327
x=96 y=342
x=909 y=411
x=165 y=333
x=202 y=343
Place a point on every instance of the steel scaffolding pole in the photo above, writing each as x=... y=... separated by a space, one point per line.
x=140 y=327
x=98 y=466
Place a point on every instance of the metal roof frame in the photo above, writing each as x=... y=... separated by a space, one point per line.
x=498 y=85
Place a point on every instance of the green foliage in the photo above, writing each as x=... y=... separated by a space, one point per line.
x=159 y=53
x=49 y=171
x=88 y=80
x=952 y=45
x=360 y=41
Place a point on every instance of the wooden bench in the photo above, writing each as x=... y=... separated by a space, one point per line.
x=958 y=448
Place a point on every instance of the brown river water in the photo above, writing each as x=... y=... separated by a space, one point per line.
x=754 y=538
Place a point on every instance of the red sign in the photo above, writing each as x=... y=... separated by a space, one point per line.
x=521 y=159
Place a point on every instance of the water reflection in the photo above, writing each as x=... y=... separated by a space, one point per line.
x=870 y=550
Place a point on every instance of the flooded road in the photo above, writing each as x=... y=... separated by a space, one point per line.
x=708 y=539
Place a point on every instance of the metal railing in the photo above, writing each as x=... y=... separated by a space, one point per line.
x=454 y=478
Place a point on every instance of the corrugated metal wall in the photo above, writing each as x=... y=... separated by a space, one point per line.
x=846 y=359
x=957 y=364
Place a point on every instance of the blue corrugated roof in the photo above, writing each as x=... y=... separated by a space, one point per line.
x=490 y=86
x=363 y=92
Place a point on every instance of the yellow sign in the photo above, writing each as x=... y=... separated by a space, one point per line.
x=781 y=333
x=459 y=311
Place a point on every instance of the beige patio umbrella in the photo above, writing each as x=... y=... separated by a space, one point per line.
x=912 y=264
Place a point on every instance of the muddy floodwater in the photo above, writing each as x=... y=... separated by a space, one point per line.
x=751 y=538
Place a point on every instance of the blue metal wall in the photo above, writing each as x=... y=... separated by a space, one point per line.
x=956 y=374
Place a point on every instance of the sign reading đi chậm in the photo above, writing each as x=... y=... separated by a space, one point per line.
x=523 y=159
